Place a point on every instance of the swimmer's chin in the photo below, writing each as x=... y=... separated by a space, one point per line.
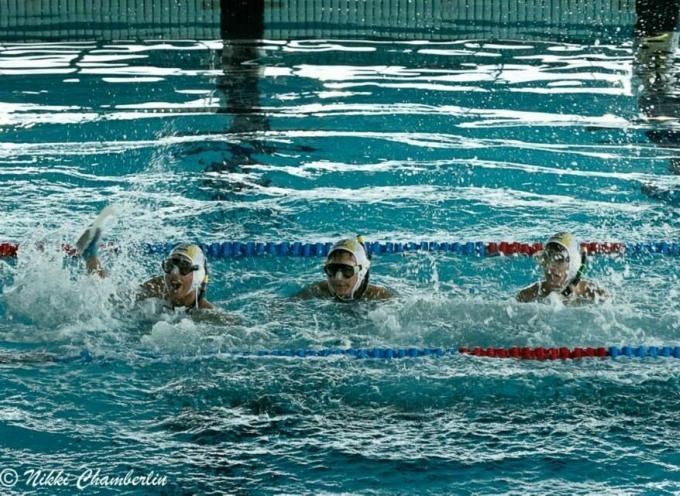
x=176 y=299
x=343 y=292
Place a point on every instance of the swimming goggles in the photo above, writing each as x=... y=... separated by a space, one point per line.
x=184 y=265
x=347 y=271
x=552 y=257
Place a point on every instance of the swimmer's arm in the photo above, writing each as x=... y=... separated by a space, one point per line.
x=317 y=290
x=529 y=293
x=378 y=293
x=94 y=266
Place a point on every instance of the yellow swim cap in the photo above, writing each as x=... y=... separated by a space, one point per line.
x=567 y=242
x=356 y=248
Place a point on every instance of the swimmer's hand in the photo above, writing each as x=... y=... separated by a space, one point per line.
x=87 y=245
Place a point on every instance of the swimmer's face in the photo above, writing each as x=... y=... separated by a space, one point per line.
x=555 y=267
x=178 y=285
x=339 y=285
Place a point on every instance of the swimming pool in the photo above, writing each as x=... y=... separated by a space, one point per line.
x=312 y=140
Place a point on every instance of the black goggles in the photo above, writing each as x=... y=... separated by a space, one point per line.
x=184 y=265
x=553 y=257
x=347 y=271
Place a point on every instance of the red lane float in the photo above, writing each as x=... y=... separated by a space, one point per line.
x=8 y=250
x=539 y=353
x=512 y=248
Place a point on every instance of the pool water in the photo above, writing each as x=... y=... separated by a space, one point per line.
x=311 y=141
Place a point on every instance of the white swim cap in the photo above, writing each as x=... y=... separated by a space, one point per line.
x=195 y=255
x=355 y=247
x=568 y=243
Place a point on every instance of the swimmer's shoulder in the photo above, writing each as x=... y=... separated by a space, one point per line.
x=377 y=293
x=204 y=304
x=320 y=290
x=316 y=290
x=530 y=293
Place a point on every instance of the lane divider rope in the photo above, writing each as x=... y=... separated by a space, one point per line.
x=522 y=353
x=236 y=249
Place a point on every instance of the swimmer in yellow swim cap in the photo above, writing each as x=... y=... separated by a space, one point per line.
x=563 y=266
x=347 y=270
x=185 y=281
x=184 y=284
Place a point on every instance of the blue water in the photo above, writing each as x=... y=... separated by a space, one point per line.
x=311 y=141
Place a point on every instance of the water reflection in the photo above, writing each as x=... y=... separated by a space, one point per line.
x=241 y=97
x=242 y=29
x=658 y=70
x=241 y=23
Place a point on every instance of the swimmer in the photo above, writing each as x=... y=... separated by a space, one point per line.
x=347 y=270
x=185 y=281
x=184 y=284
x=563 y=266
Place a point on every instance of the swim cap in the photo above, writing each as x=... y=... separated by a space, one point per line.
x=355 y=247
x=568 y=243
x=195 y=255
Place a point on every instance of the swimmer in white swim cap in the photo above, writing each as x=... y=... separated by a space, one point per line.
x=563 y=266
x=184 y=284
x=185 y=281
x=347 y=271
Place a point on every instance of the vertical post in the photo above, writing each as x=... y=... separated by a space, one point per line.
x=242 y=19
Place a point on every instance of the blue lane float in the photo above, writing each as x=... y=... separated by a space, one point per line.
x=246 y=249
x=613 y=352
